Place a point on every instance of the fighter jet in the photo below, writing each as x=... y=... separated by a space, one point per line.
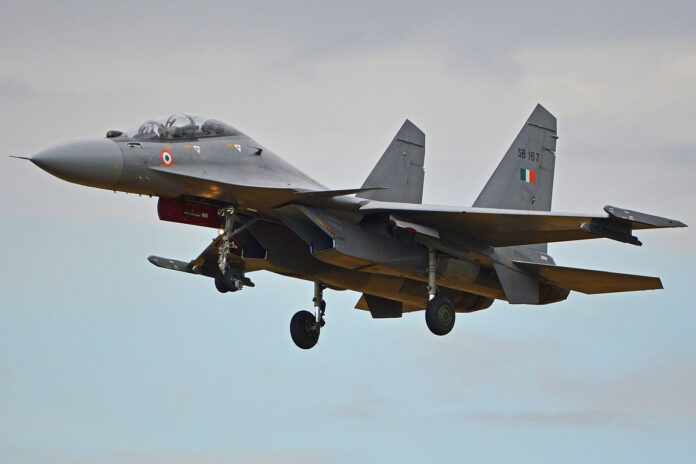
x=379 y=240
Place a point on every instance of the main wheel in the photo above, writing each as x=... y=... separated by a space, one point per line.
x=304 y=330
x=439 y=315
x=220 y=283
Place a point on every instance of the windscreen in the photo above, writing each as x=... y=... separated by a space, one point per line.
x=182 y=126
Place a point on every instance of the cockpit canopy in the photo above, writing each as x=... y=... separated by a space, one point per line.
x=182 y=126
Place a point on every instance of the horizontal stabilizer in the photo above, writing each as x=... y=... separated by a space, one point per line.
x=590 y=281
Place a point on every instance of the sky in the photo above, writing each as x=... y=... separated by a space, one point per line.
x=106 y=359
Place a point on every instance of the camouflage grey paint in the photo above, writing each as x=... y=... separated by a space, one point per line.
x=400 y=169
x=375 y=242
x=533 y=149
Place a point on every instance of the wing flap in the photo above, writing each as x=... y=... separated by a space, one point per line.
x=590 y=281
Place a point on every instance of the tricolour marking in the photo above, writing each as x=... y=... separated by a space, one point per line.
x=239 y=148
x=527 y=175
x=197 y=148
x=167 y=158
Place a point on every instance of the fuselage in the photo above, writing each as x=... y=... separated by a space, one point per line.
x=226 y=167
x=379 y=239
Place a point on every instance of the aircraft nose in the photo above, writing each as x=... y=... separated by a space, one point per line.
x=93 y=162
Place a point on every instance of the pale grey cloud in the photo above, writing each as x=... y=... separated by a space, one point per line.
x=581 y=418
x=661 y=389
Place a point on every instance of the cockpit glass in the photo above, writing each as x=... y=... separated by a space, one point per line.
x=182 y=126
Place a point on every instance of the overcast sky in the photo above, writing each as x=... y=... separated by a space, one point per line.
x=106 y=359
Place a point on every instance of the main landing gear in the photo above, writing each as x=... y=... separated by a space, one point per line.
x=439 y=313
x=305 y=326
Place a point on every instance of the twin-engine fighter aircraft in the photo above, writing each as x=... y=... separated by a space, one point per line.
x=379 y=239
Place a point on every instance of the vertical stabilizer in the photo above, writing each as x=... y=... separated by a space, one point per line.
x=400 y=169
x=524 y=178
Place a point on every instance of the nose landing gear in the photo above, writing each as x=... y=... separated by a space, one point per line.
x=305 y=326
x=229 y=279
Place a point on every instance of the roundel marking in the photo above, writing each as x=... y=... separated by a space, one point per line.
x=167 y=158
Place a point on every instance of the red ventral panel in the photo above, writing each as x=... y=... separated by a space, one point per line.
x=188 y=212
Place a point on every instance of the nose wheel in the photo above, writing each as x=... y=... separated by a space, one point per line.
x=231 y=280
x=305 y=326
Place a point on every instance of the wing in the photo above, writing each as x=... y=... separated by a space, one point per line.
x=501 y=227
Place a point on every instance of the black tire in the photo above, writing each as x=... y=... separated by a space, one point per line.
x=230 y=278
x=220 y=283
x=304 y=330
x=439 y=315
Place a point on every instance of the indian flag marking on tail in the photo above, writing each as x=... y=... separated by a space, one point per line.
x=527 y=176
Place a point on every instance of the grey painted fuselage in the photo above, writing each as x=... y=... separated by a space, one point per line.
x=375 y=242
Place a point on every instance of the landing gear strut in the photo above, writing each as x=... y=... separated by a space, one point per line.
x=227 y=215
x=305 y=326
x=228 y=279
x=439 y=313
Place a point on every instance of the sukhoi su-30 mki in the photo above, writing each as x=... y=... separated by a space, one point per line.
x=378 y=240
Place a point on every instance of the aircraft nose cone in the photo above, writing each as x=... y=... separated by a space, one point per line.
x=94 y=162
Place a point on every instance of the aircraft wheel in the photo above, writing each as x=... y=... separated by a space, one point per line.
x=439 y=315
x=231 y=280
x=220 y=283
x=304 y=330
